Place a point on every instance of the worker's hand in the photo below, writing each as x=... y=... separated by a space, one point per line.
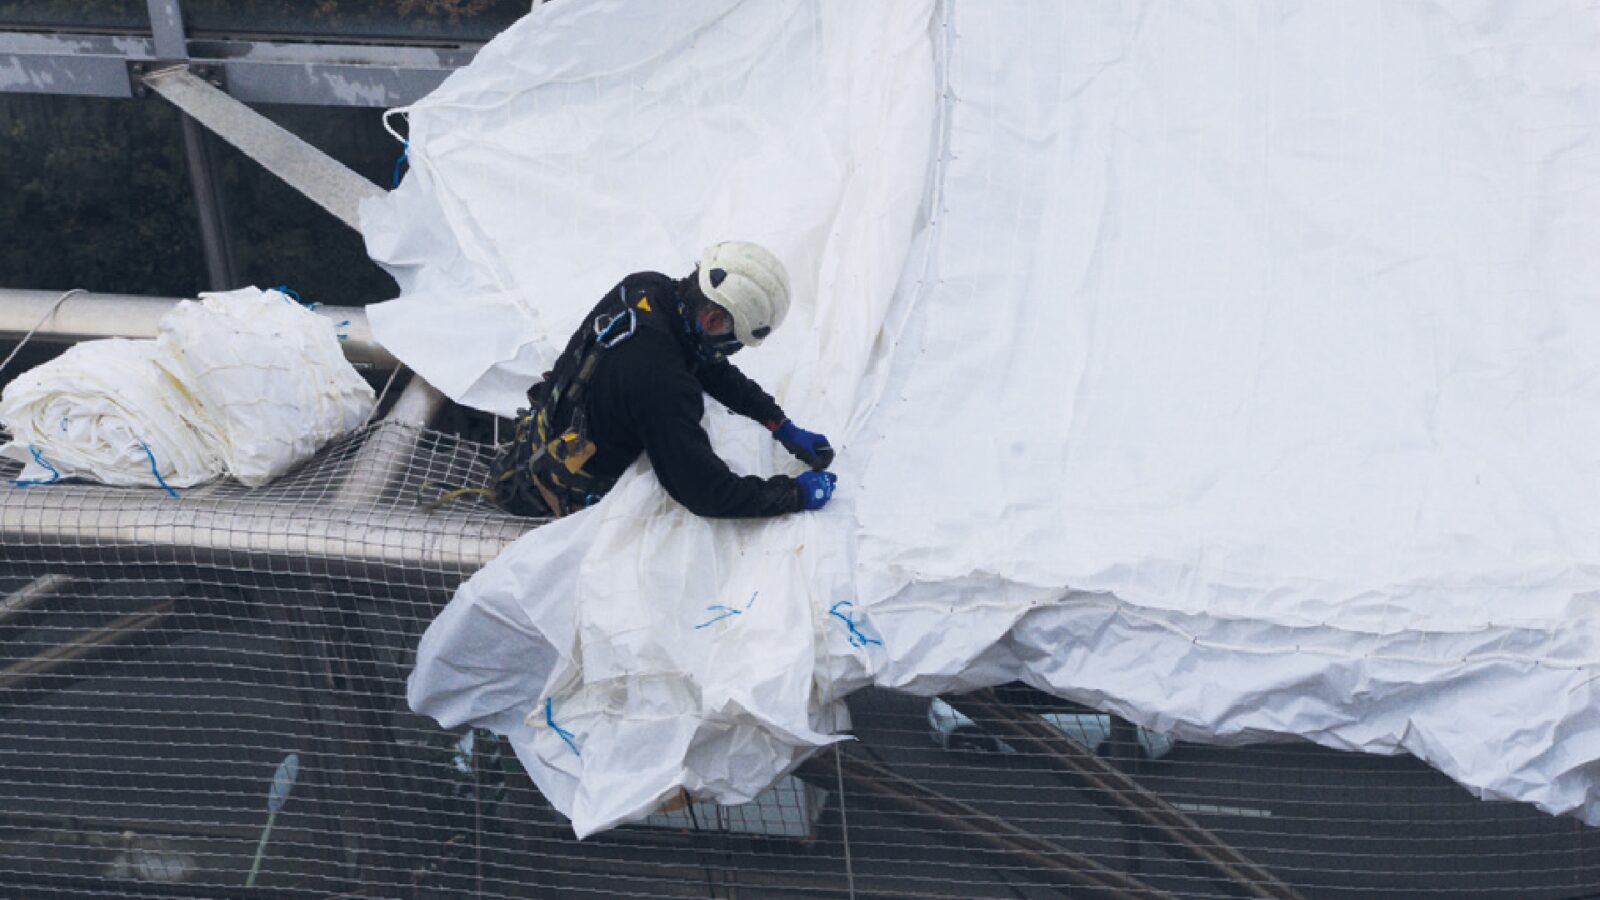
x=807 y=446
x=816 y=488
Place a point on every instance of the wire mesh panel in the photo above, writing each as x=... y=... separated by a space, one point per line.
x=204 y=696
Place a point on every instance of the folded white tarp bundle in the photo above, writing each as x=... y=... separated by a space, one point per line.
x=1226 y=368
x=110 y=411
x=268 y=374
x=246 y=382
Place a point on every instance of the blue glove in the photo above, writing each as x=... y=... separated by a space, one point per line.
x=807 y=446
x=816 y=488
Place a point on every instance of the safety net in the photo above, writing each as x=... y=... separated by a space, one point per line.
x=205 y=696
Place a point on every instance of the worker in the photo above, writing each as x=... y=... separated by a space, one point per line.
x=632 y=380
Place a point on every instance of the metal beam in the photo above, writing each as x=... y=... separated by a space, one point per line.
x=305 y=168
x=166 y=25
x=23 y=605
x=1123 y=796
x=331 y=84
x=73 y=65
x=320 y=74
x=215 y=240
x=23 y=679
x=1000 y=839
x=87 y=316
x=339 y=75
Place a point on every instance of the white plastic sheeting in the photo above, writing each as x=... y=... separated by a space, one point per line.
x=680 y=652
x=245 y=382
x=107 y=410
x=1237 y=378
x=268 y=374
x=600 y=139
x=1284 y=322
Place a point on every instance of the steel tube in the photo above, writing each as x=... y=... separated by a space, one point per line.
x=1123 y=796
x=214 y=239
x=33 y=597
x=980 y=829
x=21 y=678
x=386 y=452
x=90 y=316
x=86 y=524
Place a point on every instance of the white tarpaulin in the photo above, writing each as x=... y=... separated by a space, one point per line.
x=107 y=410
x=596 y=139
x=246 y=382
x=1238 y=377
x=268 y=374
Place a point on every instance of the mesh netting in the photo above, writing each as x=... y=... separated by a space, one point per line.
x=165 y=660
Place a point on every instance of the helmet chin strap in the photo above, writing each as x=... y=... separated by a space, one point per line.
x=724 y=344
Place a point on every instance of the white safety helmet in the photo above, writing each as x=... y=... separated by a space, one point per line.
x=750 y=283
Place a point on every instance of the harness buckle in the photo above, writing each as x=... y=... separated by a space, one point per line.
x=605 y=325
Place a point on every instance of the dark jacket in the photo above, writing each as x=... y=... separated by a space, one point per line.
x=646 y=395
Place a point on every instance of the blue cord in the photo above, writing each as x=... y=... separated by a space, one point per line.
x=857 y=638
x=157 y=472
x=727 y=611
x=289 y=292
x=550 y=719
x=55 y=476
x=404 y=154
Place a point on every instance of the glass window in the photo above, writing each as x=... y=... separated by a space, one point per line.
x=96 y=196
x=464 y=20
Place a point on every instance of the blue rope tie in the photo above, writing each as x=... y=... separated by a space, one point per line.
x=157 y=472
x=55 y=476
x=289 y=292
x=405 y=153
x=727 y=611
x=550 y=719
x=857 y=638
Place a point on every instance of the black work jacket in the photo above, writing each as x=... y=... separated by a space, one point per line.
x=647 y=395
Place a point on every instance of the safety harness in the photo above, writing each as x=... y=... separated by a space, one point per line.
x=542 y=470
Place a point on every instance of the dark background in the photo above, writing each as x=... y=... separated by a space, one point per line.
x=94 y=193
